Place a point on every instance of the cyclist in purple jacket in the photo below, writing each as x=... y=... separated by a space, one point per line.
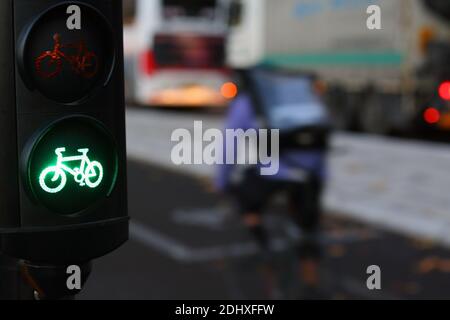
x=301 y=176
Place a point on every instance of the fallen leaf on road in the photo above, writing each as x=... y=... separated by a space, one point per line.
x=423 y=244
x=432 y=264
x=428 y=265
x=336 y=251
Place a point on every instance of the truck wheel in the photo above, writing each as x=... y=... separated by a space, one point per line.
x=374 y=115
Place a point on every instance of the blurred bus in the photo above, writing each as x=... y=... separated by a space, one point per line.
x=380 y=81
x=175 y=52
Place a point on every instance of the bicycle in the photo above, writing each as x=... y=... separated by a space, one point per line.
x=90 y=173
x=84 y=62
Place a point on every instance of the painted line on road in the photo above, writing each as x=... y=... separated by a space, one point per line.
x=154 y=240
x=172 y=248
x=167 y=246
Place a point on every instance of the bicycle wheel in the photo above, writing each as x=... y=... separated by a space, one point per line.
x=89 y=65
x=94 y=174
x=51 y=176
x=47 y=66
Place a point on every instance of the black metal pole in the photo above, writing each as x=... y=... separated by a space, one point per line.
x=12 y=286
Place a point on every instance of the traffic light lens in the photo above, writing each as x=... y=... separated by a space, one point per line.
x=68 y=64
x=72 y=165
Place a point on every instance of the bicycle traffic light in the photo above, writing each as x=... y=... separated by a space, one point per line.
x=62 y=130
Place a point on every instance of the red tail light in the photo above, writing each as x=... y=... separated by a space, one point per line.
x=444 y=90
x=148 y=64
x=432 y=116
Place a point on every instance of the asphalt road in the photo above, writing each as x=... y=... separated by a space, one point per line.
x=187 y=243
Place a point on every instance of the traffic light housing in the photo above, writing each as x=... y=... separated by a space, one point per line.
x=62 y=130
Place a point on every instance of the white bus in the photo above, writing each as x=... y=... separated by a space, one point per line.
x=175 y=52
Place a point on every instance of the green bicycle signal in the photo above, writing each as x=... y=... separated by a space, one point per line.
x=71 y=182
x=89 y=173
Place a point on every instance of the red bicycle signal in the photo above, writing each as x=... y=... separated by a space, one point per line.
x=50 y=63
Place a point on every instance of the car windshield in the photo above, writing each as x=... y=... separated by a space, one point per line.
x=284 y=89
x=288 y=100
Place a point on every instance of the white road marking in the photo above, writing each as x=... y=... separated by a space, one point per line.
x=176 y=250
x=156 y=241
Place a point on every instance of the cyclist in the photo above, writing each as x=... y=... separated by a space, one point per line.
x=253 y=190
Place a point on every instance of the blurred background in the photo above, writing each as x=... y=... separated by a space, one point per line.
x=386 y=201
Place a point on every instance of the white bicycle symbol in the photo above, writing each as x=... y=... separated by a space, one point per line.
x=90 y=173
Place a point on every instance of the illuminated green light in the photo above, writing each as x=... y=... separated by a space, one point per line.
x=71 y=165
x=89 y=173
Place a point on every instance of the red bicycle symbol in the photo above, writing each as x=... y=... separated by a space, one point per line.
x=50 y=63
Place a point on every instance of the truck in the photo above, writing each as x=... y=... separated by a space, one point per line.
x=175 y=53
x=392 y=79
